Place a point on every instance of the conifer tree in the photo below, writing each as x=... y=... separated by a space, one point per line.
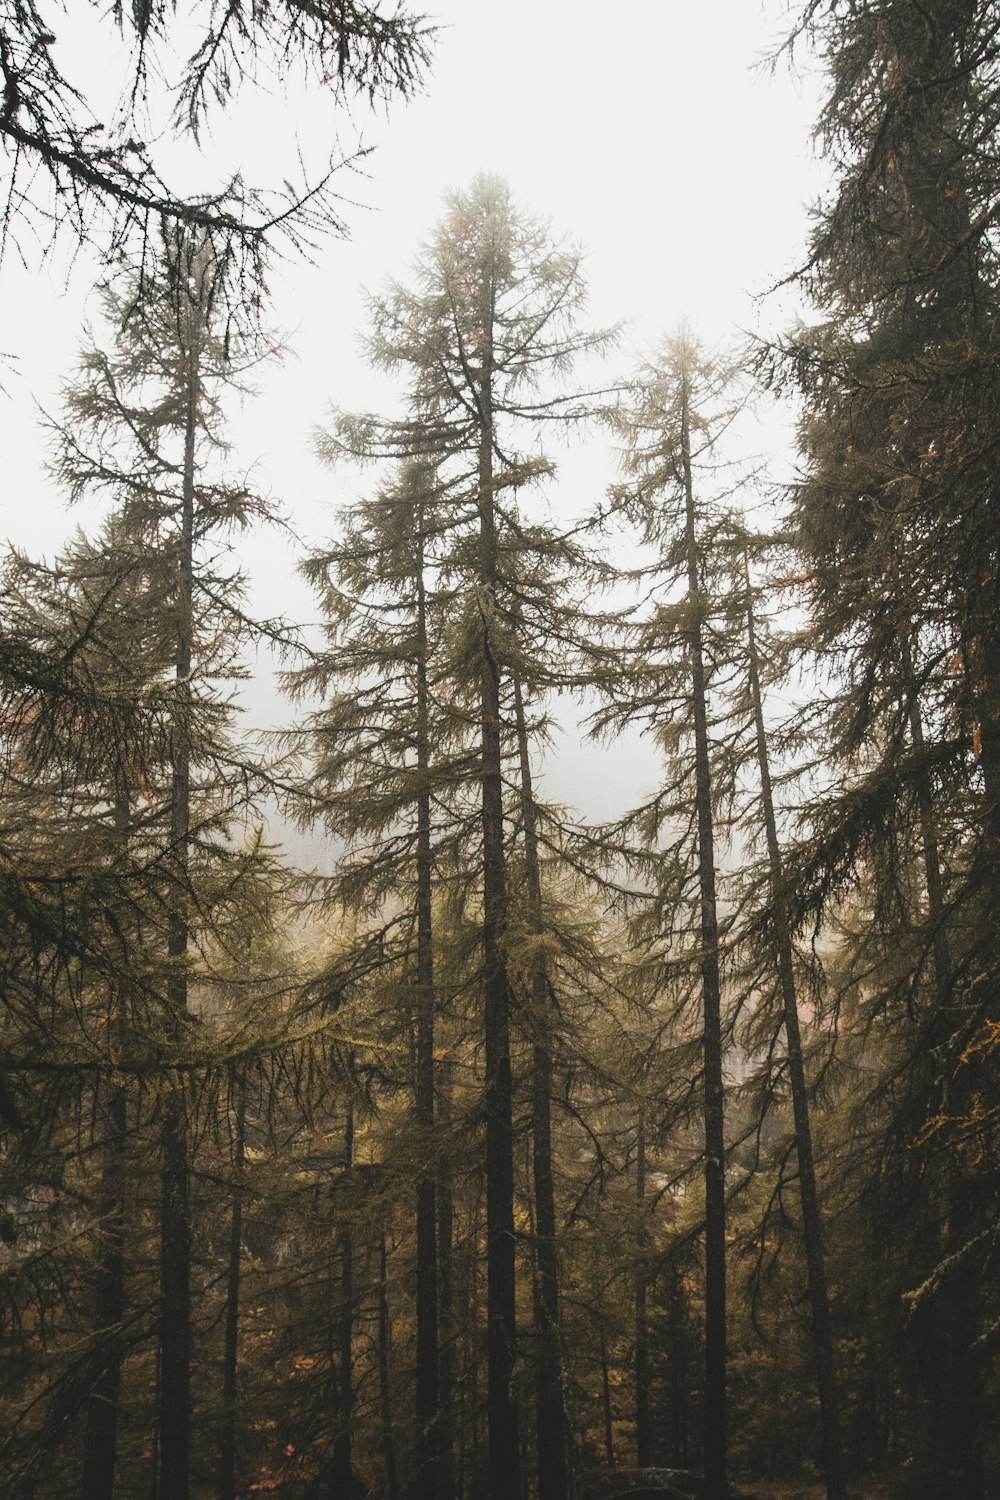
x=774 y=956
x=389 y=763
x=143 y=425
x=490 y=321
x=104 y=178
x=681 y=403
x=896 y=520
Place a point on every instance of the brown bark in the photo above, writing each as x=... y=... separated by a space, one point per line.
x=101 y=1439
x=642 y=1443
x=230 y=1356
x=504 y=1465
x=175 y=1245
x=711 y=989
x=812 y=1226
x=609 y=1431
x=427 y=1371
x=342 y=1352
x=385 y=1395
x=446 y=1315
x=100 y=1444
x=551 y=1440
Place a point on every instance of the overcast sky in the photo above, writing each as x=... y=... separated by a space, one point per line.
x=651 y=133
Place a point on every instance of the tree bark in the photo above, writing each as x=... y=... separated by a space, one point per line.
x=715 y=1145
x=101 y=1440
x=955 y=1414
x=504 y=1465
x=342 y=1466
x=427 y=1373
x=642 y=1444
x=100 y=1444
x=812 y=1226
x=609 y=1431
x=448 y=1481
x=175 y=1247
x=385 y=1395
x=230 y=1357
x=551 y=1430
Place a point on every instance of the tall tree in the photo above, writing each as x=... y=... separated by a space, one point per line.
x=490 y=320
x=779 y=955
x=390 y=754
x=896 y=518
x=682 y=401
x=144 y=425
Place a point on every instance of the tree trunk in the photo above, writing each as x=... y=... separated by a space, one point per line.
x=609 y=1431
x=812 y=1228
x=100 y=1444
x=715 y=1145
x=385 y=1395
x=427 y=1374
x=175 y=1247
x=678 y=1372
x=642 y=1444
x=952 y=1433
x=504 y=1466
x=230 y=1357
x=446 y=1315
x=342 y=1467
x=101 y=1440
x=551 y=1430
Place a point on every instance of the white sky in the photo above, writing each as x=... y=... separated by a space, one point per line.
x=646 y=131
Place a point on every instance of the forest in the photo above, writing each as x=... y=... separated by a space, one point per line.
x=509 y=1152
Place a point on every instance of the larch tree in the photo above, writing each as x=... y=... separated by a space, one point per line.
x=483 y=335
x=390 y=754
x=896 y=520
x=767 y=930
x=69 y=166
x=665 y=679
x=143 y=426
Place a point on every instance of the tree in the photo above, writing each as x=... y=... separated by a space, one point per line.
x=66 y=166
x=492 y=317
x=895 y=517
x=390 y=754
x=779 y=955
x=144 y=426
x=680 y=405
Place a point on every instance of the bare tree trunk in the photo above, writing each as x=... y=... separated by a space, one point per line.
x=642 y=1443
x=678 y=1372
x=101 y=1440
x=427 y=1374
x=448 y=1480
x=609 y=1431
x=812 y=1227
x=715 y=1145
x=100 y=1444
x=551 y=1430
x=955 y=1414
x=230 y=1356
x=504 y=1466
x=385 y=1396
x=342 y=1467
x=175 y=1245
